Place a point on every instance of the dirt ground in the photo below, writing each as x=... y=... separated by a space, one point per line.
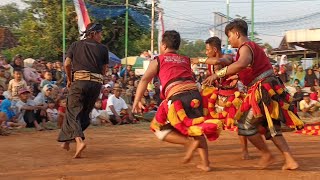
x=132 y=152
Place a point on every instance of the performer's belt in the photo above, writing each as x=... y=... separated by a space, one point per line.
x=261 y=76
x=87 y=76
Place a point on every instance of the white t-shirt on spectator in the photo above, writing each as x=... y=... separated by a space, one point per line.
x=52 y=114
x=15 y=86
x=118 y=104
x=40 y=99
x=20 y=104
x=303 y=104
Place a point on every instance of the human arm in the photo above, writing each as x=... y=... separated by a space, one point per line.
x=244 y=60
x=146 y=78
x=225 y=60
x=67 y=68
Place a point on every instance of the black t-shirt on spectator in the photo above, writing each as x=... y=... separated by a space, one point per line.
x=88 y=55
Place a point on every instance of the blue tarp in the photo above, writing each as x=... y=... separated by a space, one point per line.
x=113 y=59
x=116 y=11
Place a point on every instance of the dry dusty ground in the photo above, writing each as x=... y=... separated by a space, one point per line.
x=132 y=152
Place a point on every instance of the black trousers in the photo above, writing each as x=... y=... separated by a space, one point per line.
x=80 y=102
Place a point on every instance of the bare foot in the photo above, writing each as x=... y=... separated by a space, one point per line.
x=290 y=166
x=266 y=160
x=204 y=168
x=245 y=156
x=80 y=147
x=65 y=146
x=191 y=147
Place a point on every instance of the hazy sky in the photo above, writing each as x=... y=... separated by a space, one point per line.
x=193 y=18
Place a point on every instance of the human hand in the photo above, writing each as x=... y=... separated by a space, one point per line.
x=68 y=84
x=210 y=80
x=137 y=107
x=194 y=60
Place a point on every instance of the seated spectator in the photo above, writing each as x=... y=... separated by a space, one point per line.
x=309 y=108
x=41 y=100
x=99 y=116
x=27 y=109
x=16 y=84
x=297 y=97
x=313 y=94
x=30 y=74
x=8 y=69
x=3 y=79
x=310 y=78
x=52 y=112
x=117 y=109
x=3 y=131
x=10 y=117
x=61 y=110
x=59 y=76
x=300 y=74
x=47 y=79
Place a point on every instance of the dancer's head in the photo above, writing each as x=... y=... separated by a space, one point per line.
x=213 y=46
x=235 y=30
x=170 y=42
x=94 y=31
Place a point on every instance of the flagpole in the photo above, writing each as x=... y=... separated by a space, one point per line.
x=126 y=37
x=63 y=30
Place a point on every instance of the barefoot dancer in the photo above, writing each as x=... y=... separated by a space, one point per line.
x=227 y=86
x=179 y=119
x=88 y=58
x=266 y=103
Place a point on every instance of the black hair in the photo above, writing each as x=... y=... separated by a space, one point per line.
x=17 y=69
x=171 y=39
x=214 y=42
x=92 y=28
x=239 y=25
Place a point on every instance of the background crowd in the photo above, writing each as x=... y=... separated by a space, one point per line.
x=33 y=93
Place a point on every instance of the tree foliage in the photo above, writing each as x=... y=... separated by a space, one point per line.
x=40 y=29
x=11 y=16
x=193 y=48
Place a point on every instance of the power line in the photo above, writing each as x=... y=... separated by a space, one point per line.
x=243 y=2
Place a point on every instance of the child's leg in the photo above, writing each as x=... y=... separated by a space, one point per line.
x=203 y=152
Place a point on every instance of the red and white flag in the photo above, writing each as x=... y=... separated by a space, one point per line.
x=161 y=29
x=82 y=14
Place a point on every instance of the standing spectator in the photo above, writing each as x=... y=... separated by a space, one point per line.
x=310 y=78
x=16 y=84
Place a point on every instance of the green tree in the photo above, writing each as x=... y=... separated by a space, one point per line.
x=114 y=33
x=11 y=16
x=41 y=30
x=193 y=48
